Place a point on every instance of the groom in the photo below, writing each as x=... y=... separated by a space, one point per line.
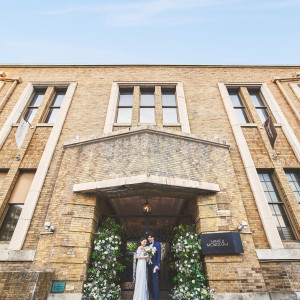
x=154 y=267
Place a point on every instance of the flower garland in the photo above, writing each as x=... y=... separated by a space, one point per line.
x=103 y=276
x=190 y=280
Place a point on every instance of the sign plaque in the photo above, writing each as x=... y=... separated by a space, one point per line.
x=58 y=287
x=221 y=243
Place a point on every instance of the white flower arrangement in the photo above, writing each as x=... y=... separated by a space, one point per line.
x=190 y=280
x=102 y=276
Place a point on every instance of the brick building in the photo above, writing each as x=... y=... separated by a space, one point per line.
x=79 y=143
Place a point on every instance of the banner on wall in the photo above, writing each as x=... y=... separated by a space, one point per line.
x=271 y=131
x=21 y=132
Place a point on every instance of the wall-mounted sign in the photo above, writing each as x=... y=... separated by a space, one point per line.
x=271 y=131
x=221 y=243
x=21 y=132
x=58 y=287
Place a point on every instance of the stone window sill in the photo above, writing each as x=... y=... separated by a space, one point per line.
x=269 y=255
x=17 y=255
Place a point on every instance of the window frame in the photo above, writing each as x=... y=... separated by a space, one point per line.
x=264 y=107
x=243 y=107
x=28 y=106
x=279 y=194
x=170 y=106
x=296 y=172
x=53 y=107
x=131 y=88
x=145 y=88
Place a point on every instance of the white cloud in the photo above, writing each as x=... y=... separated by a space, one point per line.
x=144 y=13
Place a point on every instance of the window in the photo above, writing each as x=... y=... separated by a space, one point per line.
x=259 y=104
x=294 y=180
x=276 y=206
x=125 y=106
x=55 y=106
x=169 y=106
x=147 y=108
x=238 y=106
x=15 y=206
x=34 y=105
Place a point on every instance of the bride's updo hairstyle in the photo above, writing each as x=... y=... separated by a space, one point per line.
x=142 y=239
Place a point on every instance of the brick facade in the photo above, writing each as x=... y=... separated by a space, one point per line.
x=209 y=154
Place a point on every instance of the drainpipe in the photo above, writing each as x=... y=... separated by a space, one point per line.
x=288 y=99
x=15 y=81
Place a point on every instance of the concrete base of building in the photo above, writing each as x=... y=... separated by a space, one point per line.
x=65 y=296
x=258 y=296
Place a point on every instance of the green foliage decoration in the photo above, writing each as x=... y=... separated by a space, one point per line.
x=104 y=275
x=190 y=279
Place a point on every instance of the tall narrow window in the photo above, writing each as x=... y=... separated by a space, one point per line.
x=277 y=207
x=169 y=106
x=259 y=104
x=55 y=106
x=34 y=105
x=147 y=108
x=238 y=106
x=125 y=106
x=294 y=180
x=15 y=206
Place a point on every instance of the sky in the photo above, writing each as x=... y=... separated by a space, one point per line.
x=150 y=32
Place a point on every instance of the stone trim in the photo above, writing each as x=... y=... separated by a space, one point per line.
x=258 y=296
x=22 y=227
x=269 y=255
x=65 y=296
x=258 y=193
x=280 y=118
x=17 y=255
x=15 y=113
x=1 y=85
x=296 y=88
x=113 y=101
x=140 y=179
x=148 y=129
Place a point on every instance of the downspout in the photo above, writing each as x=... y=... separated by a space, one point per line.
x=288 y=99
x=15 y=81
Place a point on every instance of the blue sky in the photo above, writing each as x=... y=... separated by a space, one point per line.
x=150 y=32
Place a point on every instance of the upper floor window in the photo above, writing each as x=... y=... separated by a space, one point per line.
x=147 y=107
x=238 y=106
x=276 y=206
x=294 y=180
x=15 y=205
x=169 y=106
x=259 y=104
x=55 y=106
x=125 y=106
x=34 y=104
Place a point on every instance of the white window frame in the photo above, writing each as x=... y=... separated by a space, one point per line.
x=113 y=104
x=24 y=221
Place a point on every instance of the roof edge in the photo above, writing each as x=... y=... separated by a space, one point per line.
x=149 y=65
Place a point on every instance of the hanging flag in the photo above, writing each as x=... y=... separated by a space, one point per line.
x=271 y=131
x=21 y=132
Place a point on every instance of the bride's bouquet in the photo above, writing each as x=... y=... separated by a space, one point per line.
x=150 y=251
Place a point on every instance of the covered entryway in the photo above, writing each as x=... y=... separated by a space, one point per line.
x=166 y=213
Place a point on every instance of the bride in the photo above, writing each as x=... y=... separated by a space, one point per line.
x=141 y=287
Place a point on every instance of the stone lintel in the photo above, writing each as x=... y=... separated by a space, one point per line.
x=127 y=182
x=269 y=255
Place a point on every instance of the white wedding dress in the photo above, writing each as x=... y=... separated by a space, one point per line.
x=141 y=284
